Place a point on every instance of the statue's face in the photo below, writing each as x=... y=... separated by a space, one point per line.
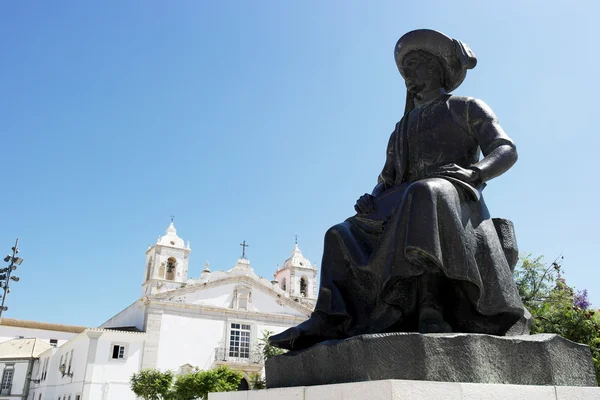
x=419 y=73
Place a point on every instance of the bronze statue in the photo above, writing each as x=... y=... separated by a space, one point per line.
x=422 y=253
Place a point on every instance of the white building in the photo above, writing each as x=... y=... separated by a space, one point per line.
x=17 y=357
x=95 y=364
x=178 y=323
x=215 y=319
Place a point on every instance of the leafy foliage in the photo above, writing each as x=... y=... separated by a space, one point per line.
x=257 y=382
x=556 y=307
x=151 y=384
x=198 y=384
x=265 y=347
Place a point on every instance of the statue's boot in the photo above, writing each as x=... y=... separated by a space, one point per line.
x=431 y=321
x=431 y=318
x=318 y=328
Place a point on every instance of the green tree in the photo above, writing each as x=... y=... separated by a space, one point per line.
x=257 y=382
x=556 y=307
x=265 y=347
x=151 y=384
x=198 y=384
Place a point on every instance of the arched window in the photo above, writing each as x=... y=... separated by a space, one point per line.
x=148 y=270
x=171 y=263
x=284 y=284
x=303 y=287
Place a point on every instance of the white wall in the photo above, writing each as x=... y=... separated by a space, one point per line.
x=55 y=384
x=281 y=274
x=266 y=303
x=222 y=296
x=19 y=377
x=131 y=316
x=93 y=369
x=188 y=340
x=13 y=332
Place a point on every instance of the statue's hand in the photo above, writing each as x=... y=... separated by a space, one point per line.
x=364 y=205
x=467 y=175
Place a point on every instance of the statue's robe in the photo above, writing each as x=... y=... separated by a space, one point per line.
x=373 y=265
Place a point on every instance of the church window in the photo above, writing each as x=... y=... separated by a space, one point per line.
x=7 y=378
x=171 y=262
x=148 y=270
x=53 y=342
x=284 y=284
x=303 y=287
x=239 y=341
x=242 y=296
x=118 y=352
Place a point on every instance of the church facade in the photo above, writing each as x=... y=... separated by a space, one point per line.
x=178 y=323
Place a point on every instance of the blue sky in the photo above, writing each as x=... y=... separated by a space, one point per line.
x=260 y=120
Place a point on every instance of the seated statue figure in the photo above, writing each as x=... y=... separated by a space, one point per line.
x=422 y=253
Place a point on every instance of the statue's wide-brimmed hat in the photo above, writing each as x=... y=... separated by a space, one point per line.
x=455 y=57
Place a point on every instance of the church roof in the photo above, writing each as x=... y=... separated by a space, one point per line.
x=297 y=260
x=170 y=238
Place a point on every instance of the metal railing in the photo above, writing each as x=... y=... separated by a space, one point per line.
x=253 y=357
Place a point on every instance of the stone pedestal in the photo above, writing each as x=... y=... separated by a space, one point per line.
x=416 y=390
x=543 y=360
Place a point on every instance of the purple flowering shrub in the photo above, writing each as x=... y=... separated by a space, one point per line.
x=556 y=307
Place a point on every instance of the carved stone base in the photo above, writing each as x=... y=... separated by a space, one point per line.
x=544 y=359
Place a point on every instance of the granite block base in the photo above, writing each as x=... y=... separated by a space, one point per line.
x=543 y=359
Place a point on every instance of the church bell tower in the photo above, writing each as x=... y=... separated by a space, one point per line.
x=166 y=263
x=298 y=277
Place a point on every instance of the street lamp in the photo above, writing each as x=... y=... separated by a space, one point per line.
x=63 y=371
x=5 y=274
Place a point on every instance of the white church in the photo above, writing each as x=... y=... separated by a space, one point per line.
x=179 y=323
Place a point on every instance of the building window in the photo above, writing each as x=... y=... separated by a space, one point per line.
x=148 y=269
x=54 y=342
x=303 y=287
x=40 y=398
x=77 y=397
x=44 y=366
x=284 y=284
x=70 y=363
x=242 y=297
x=118 y=352
x=239 y=341
x=171 y=263
x=7 y=378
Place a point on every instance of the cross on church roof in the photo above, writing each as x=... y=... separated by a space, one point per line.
x=296 y=239
x=172 y=218
x=244 y=245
